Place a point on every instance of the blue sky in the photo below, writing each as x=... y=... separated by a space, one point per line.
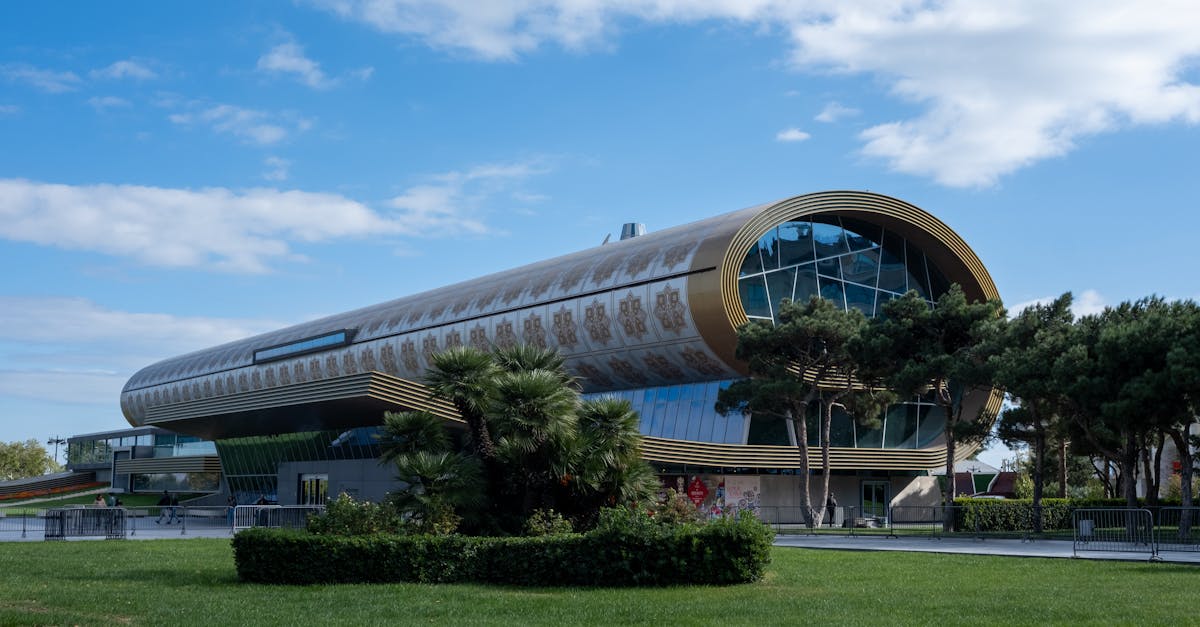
x=177 y=175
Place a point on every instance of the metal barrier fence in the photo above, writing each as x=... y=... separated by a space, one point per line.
x=289 y=516
x=792 y=519
x=155 y=521
x=1114 y=530
x=61 y=524
x=1178 y=529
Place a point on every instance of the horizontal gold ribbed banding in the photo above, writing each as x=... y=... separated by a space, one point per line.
x=380 y=386
x=152 y=465
x=714 y=455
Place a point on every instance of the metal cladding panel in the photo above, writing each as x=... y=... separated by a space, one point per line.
x=635 y=292
x=658 y=309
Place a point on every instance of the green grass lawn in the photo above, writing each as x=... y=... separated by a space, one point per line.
x=182 y=582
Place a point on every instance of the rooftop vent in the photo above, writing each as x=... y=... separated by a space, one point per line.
x=632 y=229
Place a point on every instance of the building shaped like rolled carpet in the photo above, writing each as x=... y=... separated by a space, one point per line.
x=651 y=318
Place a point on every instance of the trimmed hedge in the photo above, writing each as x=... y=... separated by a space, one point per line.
x=990 y=515
x=721 y=552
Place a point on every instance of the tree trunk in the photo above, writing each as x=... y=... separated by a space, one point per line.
x=1062 y=468
x=805 y=473
x=951 y=489
x=1158 y=451
x=1039 y=463
x=826 y=423
x=1129 y=459
x=1147 y=471
x=1180 y=437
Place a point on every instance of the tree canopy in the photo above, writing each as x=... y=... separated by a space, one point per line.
x=19 y=460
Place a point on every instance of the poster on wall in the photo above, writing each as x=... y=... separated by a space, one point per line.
x=741 y=492
x=678 y=483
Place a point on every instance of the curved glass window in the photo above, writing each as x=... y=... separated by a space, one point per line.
x=848 y=261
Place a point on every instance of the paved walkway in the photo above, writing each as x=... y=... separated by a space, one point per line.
x=991 y=546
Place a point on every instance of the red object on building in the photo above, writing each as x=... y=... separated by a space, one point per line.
x=697 y=491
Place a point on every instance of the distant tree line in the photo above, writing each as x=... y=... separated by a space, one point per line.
x=1112 y=387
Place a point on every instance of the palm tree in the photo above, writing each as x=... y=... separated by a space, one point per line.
x=411 y=431
x=466 y=376
x=610 y=469
x=533 y=413
x=439 y=486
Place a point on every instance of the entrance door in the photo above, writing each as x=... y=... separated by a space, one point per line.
x=875 y=498
x=313 y=488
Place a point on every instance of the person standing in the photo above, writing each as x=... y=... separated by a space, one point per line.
x=831 y=507
x=164 y=508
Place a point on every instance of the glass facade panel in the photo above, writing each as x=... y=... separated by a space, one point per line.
x=831 y=267
x=768 y=249
x=861 y=235
x=893 y=276
x=753 y=262
x=900 y=428
x=795 y=243
x=768 y=430
x=251 y=463
x=753 y=291
x=830 y=240
x=832 y=290
x=779 y=286
x=868 y=437
x=806 y=283
x=177 y=482
x=841 y=429
x=933 y=424
x=917 y=278
x=860 y=298
x=861 y=267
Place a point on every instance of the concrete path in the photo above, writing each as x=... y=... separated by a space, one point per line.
x=991 y=546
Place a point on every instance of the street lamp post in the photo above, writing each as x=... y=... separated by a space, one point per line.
x=55 y=440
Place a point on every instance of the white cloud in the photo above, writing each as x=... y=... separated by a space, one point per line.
x=1085 y=303
x=63 y=386
x=72 y=350
x=1088 y=302
x=125 y=69
x=79 y=321
x=250 y=125
x=278 y=169
x=450 y=199
x=228 y=230
x=100 y=103
x=999 y=85
x=238 y=230
x=288 y=58
x=791 y=135
x=48 y=81
x=834 y=112
x=9 y=109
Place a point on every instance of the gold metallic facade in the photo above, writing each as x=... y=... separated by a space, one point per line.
x=654 y=310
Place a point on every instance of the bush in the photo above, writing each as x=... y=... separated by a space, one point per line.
x=346 y=517
x=990 y=515
x=677 y=509
x=628 y=549
x=547 y=522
